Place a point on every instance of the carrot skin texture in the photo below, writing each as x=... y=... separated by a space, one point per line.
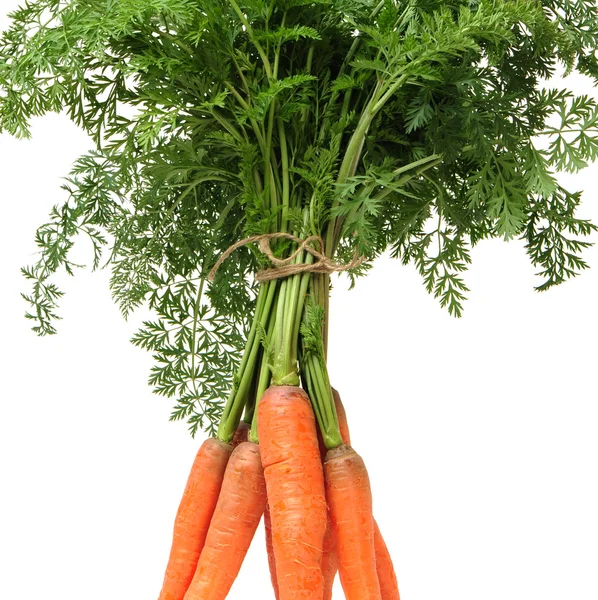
x=329 y=561
x=193 y=517
x=238 y=512
x=389 y=588
x=270 y=551
x=295 y=484
x=329 y=557
x=350 y=501
x=241 y=434
x=341 y=413
x=387 y=578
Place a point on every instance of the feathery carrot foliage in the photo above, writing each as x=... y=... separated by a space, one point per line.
x=417 y=127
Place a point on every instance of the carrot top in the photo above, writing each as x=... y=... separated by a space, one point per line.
x=360 y=126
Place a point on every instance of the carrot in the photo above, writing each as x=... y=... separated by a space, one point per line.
x=329 y=557
x=270 y=551
x=295 y=484
x=350 y=502
x=329 y=561
x=387 y=578
x=236 y=517
x=389 y=588
x=343 y=424
x=241 y=434
x=193 y=517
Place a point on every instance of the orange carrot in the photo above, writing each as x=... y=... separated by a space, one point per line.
x=350 y=502
x=386 y=574
x=389 y=588
x=329 y=561
x=270 y=551
x=295 y=484
x=236 y=517
x=241 y=434
x=343 y=424
x=329 y=557
x=193 y=517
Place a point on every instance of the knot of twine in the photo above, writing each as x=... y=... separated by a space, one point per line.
x=284 y=266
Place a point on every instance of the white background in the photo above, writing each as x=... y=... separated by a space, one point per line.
x=479 y=433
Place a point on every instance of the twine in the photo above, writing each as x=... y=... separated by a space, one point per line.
x=284 y=268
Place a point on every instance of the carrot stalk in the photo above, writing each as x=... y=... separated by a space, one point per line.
x=295 y=484
x=236 y=517
x=193 y=517
x=350 y=502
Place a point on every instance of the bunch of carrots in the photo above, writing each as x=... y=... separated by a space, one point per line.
x=316 y=504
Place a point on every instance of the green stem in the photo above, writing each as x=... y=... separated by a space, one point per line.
x=320 y=286
x=308 y=64
x=269 y=180
x=284 y=372
x=306 y=278
x=176 y=41
x=277 y=53
x=349 y=164
x=355 y=145
x=290 y=310
x=308 y=384
x=240 y=73
x=291 y=302
x=252 y=37
x=264 y=377
x=383 y=91
x=252 y=399
x=346 y=62
x=297 y=296
x=254 y=125
x=320 y=393
x=245 y=375
x=389 y=93
x=228 y=126
x=284 y=155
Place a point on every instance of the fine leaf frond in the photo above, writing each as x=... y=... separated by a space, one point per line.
x=418 y=128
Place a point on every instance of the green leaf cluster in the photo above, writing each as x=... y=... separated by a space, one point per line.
x=411 y=126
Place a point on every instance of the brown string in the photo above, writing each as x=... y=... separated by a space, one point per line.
x=284 y=268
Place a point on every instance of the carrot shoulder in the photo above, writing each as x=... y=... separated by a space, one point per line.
x=350 y=501
x=193 y=517
x=295 y=484
x=236 y=517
